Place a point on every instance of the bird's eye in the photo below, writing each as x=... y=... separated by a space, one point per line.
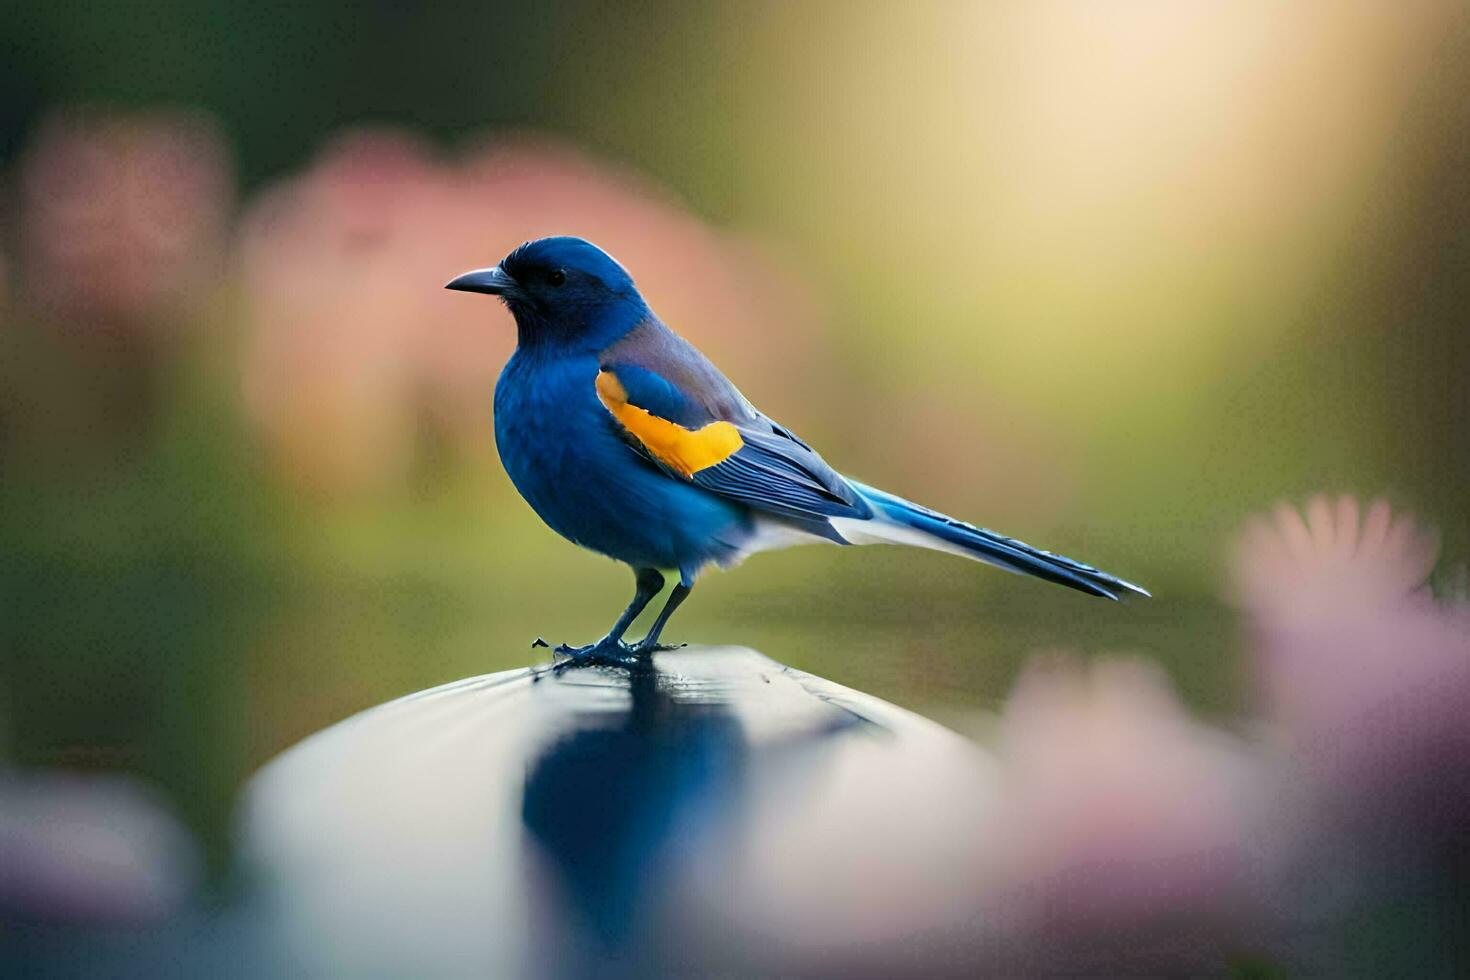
x=557 y=277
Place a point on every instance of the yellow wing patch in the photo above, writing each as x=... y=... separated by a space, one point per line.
x=685 y=451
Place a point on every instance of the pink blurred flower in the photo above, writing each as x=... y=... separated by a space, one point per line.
x=1324 y=598
x=353 y=342
x=1366 y=677
x=1337 y=561
x=1122 y=815
x=123 y=215
x=90 y=850
x=342 y=268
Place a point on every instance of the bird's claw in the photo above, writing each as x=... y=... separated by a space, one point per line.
x=604 y=653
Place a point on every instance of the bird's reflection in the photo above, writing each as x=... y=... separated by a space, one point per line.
x=608 y=802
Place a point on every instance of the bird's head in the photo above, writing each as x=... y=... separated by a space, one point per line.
x=561 y=290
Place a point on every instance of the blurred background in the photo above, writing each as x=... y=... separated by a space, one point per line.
x=1107 y=279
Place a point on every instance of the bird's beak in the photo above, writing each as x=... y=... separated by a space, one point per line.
x=494 y=281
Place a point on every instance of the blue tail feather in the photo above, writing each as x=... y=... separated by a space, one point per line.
x=995 y=549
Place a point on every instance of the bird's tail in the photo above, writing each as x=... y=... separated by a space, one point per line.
x=899 y=521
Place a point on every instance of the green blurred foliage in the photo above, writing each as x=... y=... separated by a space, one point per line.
x=170 y=607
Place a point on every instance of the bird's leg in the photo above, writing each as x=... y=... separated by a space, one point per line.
x=611 y=651
x=649 y=644
x=649 y=582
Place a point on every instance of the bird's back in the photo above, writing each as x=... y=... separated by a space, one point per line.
x=654 y=347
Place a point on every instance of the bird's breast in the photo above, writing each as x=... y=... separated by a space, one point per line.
x=548 y=421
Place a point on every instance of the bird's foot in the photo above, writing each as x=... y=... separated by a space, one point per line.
x=603 y=653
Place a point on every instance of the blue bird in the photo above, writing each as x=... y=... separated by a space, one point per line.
x=626 y=440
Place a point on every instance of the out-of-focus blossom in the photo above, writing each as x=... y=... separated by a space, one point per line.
x=342 y=268
x=89 y=850
x=354 y=344
x=1122 y=814
x=123 y=216
x=1340 y=613
x=1366 y=677
x=1337 y=561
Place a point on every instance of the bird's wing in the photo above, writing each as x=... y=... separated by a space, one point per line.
x=742 y=455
